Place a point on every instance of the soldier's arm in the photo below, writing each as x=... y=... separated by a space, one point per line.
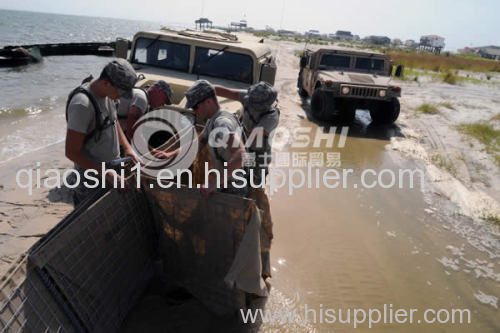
x=127 y=149
x=134 y=114
x=227 y=93
x=236 y=159
x=73 y=150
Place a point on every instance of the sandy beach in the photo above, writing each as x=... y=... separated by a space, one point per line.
x=25 y=218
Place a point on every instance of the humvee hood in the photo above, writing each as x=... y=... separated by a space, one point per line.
x=353 y=78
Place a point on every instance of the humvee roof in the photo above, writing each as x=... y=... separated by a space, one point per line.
x=334 y=49
x=244 y=43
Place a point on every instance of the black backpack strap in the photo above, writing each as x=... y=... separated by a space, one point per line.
x=99 y=127
x=262 y=114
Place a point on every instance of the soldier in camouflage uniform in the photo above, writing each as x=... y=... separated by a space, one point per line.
x=260 y=118
x=220 y=125
x=93 y=133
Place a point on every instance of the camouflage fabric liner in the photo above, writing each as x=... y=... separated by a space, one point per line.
x=99 y=259
x=199 y=249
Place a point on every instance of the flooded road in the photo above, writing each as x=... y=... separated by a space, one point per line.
x=363 y=248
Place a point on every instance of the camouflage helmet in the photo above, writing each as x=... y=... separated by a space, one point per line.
x=199 y=91
x=166 y=88
x=122 y=76
x=260 y=97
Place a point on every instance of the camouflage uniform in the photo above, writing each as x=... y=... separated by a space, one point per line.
x=225 y=123
x=260 y=112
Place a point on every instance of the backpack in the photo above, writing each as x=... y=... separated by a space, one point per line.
x=99 y=125
x=261 y=114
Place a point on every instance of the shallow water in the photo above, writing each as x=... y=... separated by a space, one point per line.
x=33 y=97
x=363 y=248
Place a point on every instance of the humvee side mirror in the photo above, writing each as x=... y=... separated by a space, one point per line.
x=303 y=61
x=121 y=48
x=268 y=73
x=399 y=71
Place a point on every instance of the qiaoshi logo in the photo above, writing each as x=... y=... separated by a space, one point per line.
x=159 y=133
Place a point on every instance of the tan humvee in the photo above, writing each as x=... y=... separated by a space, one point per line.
x=340 y=80
x=182 y=57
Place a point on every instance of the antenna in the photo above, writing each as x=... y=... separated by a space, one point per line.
x=282 y=14
x=202 y=8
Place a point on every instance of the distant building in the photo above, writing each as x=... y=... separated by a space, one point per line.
x=203 y=23
x=269 y=28
x=432 y=43
x=241 y=25
x=377 y=40
x=342 y=35
x=287 y=32
x=490 y=52
x=396 y=42
x=313 y=34
x=411 y=44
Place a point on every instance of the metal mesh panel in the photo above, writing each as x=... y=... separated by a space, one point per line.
x=199 y=238
x=101 y=261
x=26 y=304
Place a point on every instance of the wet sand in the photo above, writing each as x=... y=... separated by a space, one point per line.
x=348 y=248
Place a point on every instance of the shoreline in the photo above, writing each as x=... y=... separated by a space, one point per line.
x=25 y=218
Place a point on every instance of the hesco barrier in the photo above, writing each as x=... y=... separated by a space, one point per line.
x=200 y=249
x=87 y=273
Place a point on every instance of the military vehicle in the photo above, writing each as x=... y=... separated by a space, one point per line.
x=182 y=57
x=341 y=80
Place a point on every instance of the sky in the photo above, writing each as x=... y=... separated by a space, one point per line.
x=461 y=22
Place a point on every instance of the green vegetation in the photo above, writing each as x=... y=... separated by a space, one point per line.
x=486 y=134
x=444 y=163
x=447 y=105
x=491 y=218
x=261 y=33
x=428 y=109
x=449 y=77
x=442 y=63
x=496 y=117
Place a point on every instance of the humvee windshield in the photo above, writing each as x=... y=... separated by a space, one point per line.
x=209 y=62
x=223 y=64
x=370 y=64
x=160 y=53
x=330 y=60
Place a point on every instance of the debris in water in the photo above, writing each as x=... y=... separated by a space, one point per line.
x=487 y=299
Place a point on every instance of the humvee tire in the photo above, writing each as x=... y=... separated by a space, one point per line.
x=347 y=112
x=385 y=112
x=323 y=105
x=302 y=92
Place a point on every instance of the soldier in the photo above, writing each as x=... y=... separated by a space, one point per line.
x=131 y=109
x=93 y=135
x=260 y=116
x=202 y=99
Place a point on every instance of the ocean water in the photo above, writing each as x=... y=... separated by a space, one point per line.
x=33 y=97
